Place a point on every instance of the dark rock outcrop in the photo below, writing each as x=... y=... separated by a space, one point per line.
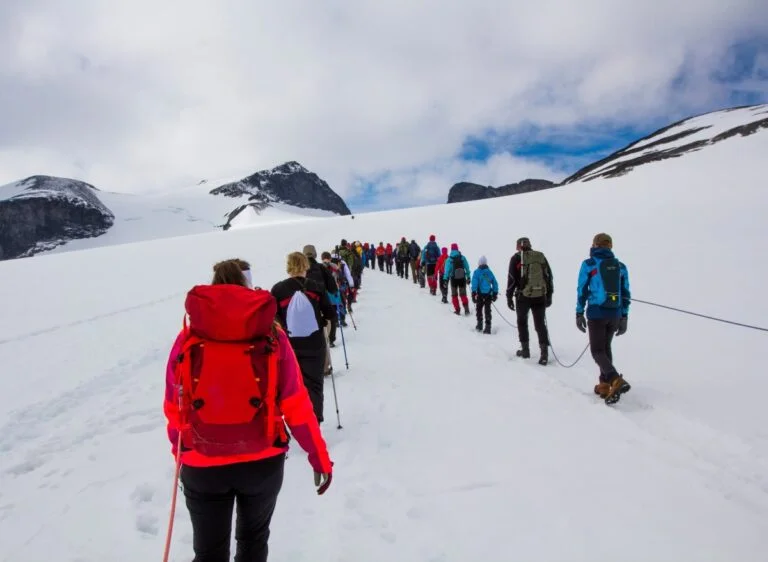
x=466 y=191
x=46 y=212
x=289 y=183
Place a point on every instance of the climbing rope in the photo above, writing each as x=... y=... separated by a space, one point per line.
x=554 y=354
x=702 y=315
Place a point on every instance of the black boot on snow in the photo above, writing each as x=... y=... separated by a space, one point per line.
x=466 y=310
x=544 y=359
x=479 y=326
x=524 y=351
x=445 y=299
x=487 y=329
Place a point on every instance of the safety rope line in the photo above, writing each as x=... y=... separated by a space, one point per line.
x=554 y=354
x=716 y=319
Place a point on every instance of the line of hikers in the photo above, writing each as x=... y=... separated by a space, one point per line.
x=230 y=434
x=602 y=293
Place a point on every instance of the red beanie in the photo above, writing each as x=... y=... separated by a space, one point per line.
x=432 y=238
x=445 y=251
x=454 y=246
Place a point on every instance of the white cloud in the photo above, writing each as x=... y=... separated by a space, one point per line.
x=147 y=94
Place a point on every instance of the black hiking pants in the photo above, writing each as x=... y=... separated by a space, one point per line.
x=312 y=367
x=381 y=263
x=601 y=332
x=389 y=265
x=538 y=308
x=211 y=494
x=483 y=306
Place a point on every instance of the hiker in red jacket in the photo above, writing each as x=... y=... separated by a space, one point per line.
x=381 y=255
x=389 y=257
x=228 y=432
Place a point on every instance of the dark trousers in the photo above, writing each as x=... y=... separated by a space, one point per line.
x=538 y=309
x=211 y=494
x=484 y=308
x=601 y=334
x=381 y=263
x=312 y=370
x=389 y=265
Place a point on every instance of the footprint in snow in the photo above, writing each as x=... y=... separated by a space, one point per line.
x=143 y=493
x=147 y=524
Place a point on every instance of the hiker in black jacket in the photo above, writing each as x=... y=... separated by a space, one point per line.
x=319 y=273
x=414 y=253
x=530 y=283
x=310 y=350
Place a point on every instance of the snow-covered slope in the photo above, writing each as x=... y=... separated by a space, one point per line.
x=452 y=448
x=31 y=208
x=677 y=139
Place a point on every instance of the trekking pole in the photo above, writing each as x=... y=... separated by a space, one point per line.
x=343 y=343
x=353 y=320
x=335 y=398
x=177 y=471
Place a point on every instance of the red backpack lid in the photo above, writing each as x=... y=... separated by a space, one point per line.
x=230 y=312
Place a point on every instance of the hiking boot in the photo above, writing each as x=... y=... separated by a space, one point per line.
x=602 y=389
x=617 y=387
x=445 y=300
x=487 y=329
x=466 y=310
x=544 y=359
x=524 y=351
x=479 y=326
x=344 y=324
x=457 y=312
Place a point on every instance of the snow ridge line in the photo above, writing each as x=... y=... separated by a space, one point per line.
x=58 y=327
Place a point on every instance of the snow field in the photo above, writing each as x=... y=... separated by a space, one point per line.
x=452 y=448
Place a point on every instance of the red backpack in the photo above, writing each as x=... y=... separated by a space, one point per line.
x=227 y=372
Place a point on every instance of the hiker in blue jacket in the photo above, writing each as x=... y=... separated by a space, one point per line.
x=457 y=272
x=603 y=288
x=429 y=256
x=485 y=290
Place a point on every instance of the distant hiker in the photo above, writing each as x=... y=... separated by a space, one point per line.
x=365 y=255
x=388 y=258
x=336 y=299
x=457 y=272
x=346 y=284
x=381 y=255
x=322 y=275
x=303 y=309
x=603 y=288
x=530 y=283
x=429 y=257
x=485 y=290
x=414 y=251
x=354 y=262
x=422 y=269
x=402 y=259
x=231 y=380
x=372 y=255
x=439 y=272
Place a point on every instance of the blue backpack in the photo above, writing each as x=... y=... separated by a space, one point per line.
x=433 y=253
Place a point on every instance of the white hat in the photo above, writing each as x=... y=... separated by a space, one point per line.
x=482 y=261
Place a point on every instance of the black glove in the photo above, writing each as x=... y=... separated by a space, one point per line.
x=622 y=326
x=511 y=302
x=474 y=297
x=581 y=322
x=549 y=300
x=494 y=297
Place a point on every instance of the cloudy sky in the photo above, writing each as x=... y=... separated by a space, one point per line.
x=390 y=101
